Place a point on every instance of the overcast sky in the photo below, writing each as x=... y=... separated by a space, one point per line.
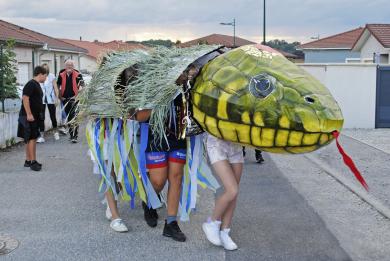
x=184 y=20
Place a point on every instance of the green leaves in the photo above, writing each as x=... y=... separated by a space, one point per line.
x=8 y=71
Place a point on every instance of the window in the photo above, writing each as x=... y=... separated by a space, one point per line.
x=384 y=58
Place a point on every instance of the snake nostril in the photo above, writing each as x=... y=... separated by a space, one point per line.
x=309 y=99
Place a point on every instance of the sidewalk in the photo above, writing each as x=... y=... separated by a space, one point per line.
x=378 y=138
x=368 y=150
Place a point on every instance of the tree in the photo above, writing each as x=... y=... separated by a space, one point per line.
x=285 y=46
x=201 y=42
x=159 y=42
x=8 y=71
x=152 y=43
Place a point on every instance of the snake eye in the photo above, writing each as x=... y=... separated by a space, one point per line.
x=262 y=85
x=309 y=99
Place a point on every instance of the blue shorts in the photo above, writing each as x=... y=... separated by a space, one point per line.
x=157 y=159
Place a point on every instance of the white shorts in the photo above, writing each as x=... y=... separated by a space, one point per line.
x=219 y=150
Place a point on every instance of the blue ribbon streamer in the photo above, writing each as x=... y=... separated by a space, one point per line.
x=124 y=160
x=153 y=200
x=98 y=153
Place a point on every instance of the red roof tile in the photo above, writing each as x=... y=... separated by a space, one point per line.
x=121 y=46
x=344 y=40
x=26 y=36
x=9 y=33
x=96 y=48
x=381 y=32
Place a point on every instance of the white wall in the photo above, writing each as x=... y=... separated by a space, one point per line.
x=47 y=57
x=24 y=55
x=88 y=63
x=372 y=46
x=9 y=126
x=354 y=88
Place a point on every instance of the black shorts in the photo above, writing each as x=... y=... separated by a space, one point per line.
x=28 y=130
x=172 y=145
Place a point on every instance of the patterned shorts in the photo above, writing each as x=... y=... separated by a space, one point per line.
x=160 y=159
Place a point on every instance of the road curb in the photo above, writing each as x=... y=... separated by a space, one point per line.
x=365 y=143
x=361 y=193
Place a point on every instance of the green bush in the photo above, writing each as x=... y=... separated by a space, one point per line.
x=8 y=71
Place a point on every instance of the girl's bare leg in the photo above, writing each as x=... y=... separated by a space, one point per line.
x=228 y=215
x=225 y=172
x=112 y=204
x=158 y=177
x=175 y=179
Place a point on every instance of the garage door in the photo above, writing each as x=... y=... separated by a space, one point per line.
x=23 y=69
x=383 y=97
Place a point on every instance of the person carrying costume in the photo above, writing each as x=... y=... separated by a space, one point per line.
x=112 y=212
x=226 y=159
x=165 y=161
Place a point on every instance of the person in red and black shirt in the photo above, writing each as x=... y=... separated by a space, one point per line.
x=30 y=116
x=69 y=81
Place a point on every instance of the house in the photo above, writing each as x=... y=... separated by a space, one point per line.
x=33 y=48
x=228 y=41
x=88 y=61
x=95 y=50
x=333 y=49
x=354 y=66
x=373 y=43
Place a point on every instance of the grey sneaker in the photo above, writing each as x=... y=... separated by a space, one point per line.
x=118 y=225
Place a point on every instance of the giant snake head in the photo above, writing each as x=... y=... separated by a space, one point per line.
x=254 y=96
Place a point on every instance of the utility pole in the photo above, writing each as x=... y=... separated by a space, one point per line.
x=264 y=22
x=234 y=32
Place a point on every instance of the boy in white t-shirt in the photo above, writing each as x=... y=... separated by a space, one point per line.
x=50 y=100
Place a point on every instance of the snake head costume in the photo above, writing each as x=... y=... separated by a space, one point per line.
x=254 y=96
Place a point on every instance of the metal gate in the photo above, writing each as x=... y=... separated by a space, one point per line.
x=382 y=119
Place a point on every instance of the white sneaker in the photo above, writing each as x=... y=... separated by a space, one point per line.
x=56 y=136
x=108 y=213
x=118 y=225
x=226 y=240
x=211 y=229
x=41 y=140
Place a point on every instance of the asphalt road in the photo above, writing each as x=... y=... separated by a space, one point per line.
x=56 y=214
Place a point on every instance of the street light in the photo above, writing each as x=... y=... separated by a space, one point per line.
x=234 y=30
x=315 y=37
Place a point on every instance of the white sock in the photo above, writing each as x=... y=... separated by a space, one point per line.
x=217 y=222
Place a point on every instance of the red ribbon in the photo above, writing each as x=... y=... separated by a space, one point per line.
x=349 y=162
